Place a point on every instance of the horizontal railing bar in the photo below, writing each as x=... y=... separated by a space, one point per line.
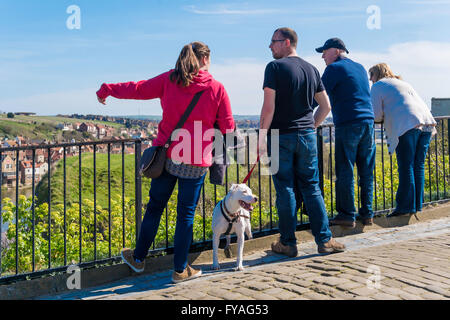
x=71 y=144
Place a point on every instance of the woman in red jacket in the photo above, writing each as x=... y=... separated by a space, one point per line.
x=188 y=159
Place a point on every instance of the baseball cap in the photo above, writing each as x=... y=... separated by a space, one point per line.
x=332 y=43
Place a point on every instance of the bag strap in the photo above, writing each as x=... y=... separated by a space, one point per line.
x=184 y=117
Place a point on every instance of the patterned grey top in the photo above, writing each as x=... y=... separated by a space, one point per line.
x=184 y=170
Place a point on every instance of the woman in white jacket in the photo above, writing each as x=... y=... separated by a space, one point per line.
x=409 y=127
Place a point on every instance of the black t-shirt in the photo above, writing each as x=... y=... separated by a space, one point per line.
x=295 y=82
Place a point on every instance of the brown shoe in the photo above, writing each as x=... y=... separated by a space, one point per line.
x=343 y=223
x=367 y=221
x=127 y=257
x=331 y=246
x=290 y=251
x=188 y=274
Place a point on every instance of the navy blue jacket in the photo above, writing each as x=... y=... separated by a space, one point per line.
x=347 y=85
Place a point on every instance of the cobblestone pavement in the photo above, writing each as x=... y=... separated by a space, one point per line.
x=409 y=262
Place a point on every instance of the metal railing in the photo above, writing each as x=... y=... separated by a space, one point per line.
x=97 y=208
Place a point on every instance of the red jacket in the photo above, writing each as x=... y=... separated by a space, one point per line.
x=213 y=106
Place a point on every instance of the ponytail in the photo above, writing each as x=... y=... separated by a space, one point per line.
x=188 y=63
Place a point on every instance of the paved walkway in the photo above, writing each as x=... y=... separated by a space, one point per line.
x=409 y=262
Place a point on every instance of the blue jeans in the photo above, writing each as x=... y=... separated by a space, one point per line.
x=354 y=144
x=298 y=165
x=411 y=153
x=160 y=191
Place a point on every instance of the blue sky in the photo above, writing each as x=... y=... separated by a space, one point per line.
x=48 y=69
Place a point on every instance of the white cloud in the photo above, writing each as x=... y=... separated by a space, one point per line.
x=425 y=65
x=81 y=101
x=243 y=81
x=428 y=2
x=223 y=10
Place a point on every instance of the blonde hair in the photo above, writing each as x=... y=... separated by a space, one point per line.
x=188 y=63
x=382 y=70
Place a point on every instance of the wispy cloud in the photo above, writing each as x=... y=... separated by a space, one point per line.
x=424 y=64
x=223 y=10
x=82 y=101
x=427 y=2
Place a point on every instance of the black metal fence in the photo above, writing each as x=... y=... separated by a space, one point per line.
x=89 y=202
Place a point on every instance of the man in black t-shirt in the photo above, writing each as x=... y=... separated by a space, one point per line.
x=290 y=87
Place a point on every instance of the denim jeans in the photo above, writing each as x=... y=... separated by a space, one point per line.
x=354 y=144
x=160 y=191
x=411 y=153
x=298 y=166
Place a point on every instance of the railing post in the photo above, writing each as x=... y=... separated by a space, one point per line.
x=138 y=187
x=320 y=157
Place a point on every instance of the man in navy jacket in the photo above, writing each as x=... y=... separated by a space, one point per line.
x=347 y=85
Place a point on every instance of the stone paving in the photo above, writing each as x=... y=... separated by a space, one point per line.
x=409 y=262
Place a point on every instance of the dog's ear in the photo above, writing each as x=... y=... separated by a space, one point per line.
x=233 y=187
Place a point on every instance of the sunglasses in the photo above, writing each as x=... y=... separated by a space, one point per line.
x=273 y=41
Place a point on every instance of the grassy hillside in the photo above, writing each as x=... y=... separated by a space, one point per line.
x=11 y=128
x=42 y=127
x=87 y=178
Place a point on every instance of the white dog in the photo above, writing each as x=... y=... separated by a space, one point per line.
x=231 y=215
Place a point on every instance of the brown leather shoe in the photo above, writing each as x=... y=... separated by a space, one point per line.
x=127 y=257
x=343 y=223
x=331 y=246
x=367 y=221
x=188 y=274
x=290 y=251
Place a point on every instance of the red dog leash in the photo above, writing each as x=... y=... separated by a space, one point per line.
x=251 y=171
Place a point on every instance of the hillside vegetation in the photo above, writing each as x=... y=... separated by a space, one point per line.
x=42 y=127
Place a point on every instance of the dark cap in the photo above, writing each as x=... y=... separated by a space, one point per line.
x=332 y=43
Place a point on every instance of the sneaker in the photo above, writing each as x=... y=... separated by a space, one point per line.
x=188 y=274
x=127 y=257
x=331 y=246
x=343 y=223
x=290 y=251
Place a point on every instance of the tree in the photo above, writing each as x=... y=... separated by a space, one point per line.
x=10 y=115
